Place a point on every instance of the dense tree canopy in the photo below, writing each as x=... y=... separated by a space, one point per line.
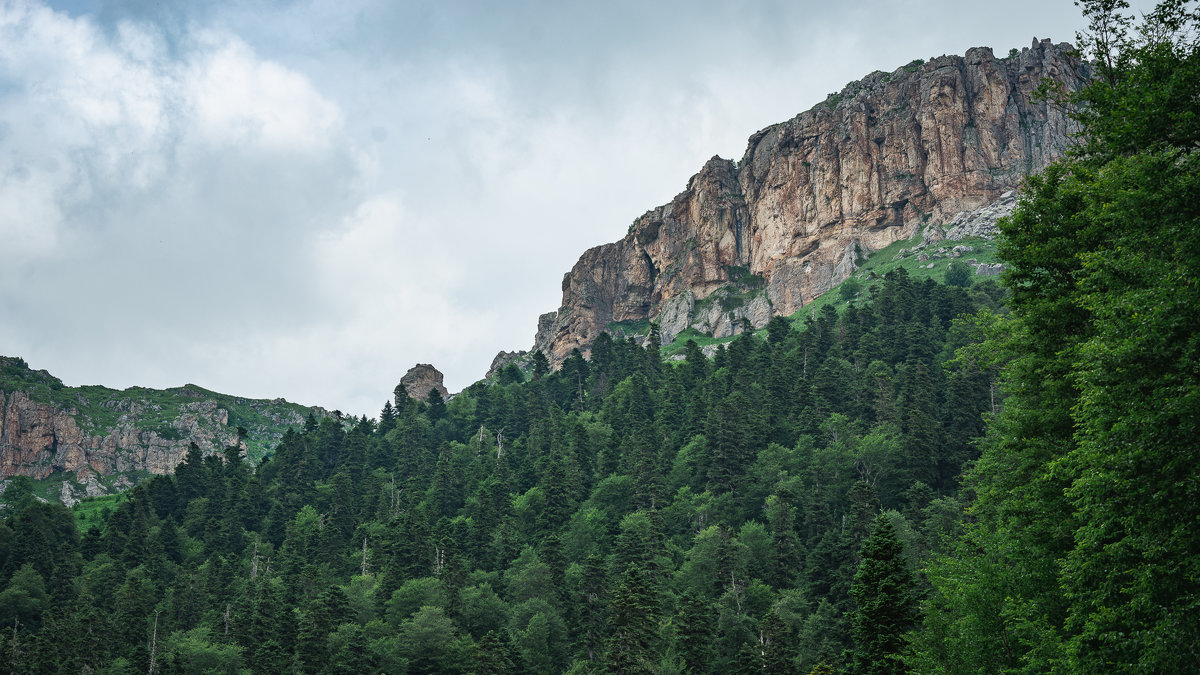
x=619 y=514
x=1081 y=556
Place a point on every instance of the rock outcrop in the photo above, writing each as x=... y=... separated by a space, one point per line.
x=417 y=382
x=37 y=439
x=504 y=358
x=98 y=434
x=982 y=221
x=812 y=196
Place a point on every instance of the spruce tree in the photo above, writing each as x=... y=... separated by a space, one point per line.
x=694 y=633
x=634 y=625
x=886 y=608
x=493 y=656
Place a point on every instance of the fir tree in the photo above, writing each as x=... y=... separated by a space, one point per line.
x=634 y=624
x=886 y=608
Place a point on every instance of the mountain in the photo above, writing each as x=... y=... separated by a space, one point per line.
x=982 y=475
x=938 y=143
x=811 y=197
x=90 y=441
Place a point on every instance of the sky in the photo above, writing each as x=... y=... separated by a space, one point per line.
x=304 y=199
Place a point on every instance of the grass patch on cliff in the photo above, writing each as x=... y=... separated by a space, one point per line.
x=814 y=306
x=896 y=256
x=93 y=511
x=741 y=277
x=680 y=341
x=49 y=488
x=740 y=290
x=628 y=327
x=888 y=259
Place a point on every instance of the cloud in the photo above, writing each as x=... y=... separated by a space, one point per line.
x=239 y=100
x=151 y=197
x=93 y=119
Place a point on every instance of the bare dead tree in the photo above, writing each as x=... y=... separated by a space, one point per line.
x=154 y=644
x=254 y=561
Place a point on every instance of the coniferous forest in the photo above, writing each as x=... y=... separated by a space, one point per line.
x=1000 y=478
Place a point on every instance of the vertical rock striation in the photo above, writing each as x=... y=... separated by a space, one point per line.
x=866 y=168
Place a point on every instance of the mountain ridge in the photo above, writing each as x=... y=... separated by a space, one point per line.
x=100 y=440
x=763 y=236
x=745 y=241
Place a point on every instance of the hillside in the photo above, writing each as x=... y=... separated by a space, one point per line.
x=92 y=440
x=613 y=511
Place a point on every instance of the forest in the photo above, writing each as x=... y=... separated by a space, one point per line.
x=933 y=478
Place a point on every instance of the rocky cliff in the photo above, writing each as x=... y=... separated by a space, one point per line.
x=105 y=439
x=811 y=196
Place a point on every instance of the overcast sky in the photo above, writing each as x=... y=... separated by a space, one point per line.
x=304 y=199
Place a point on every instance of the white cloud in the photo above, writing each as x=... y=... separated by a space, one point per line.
x=29 y=216
x=153 y=196
x=91 y=119
x=237 y=98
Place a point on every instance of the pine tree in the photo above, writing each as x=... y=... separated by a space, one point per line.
x=493 y=656
x=733 y=434
x=778 y=645
x=437 y=405
x=592 y=603
x=191 y=476
x=540 y=365
x=387 y=418
x=787 y=558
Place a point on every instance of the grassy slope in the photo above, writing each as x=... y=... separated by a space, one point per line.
x=877 y=264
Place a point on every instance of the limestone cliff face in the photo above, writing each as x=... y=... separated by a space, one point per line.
x=118 y=436
x=870 y=166
x=37 y=439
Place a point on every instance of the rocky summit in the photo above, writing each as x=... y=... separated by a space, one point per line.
x=811 y=197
